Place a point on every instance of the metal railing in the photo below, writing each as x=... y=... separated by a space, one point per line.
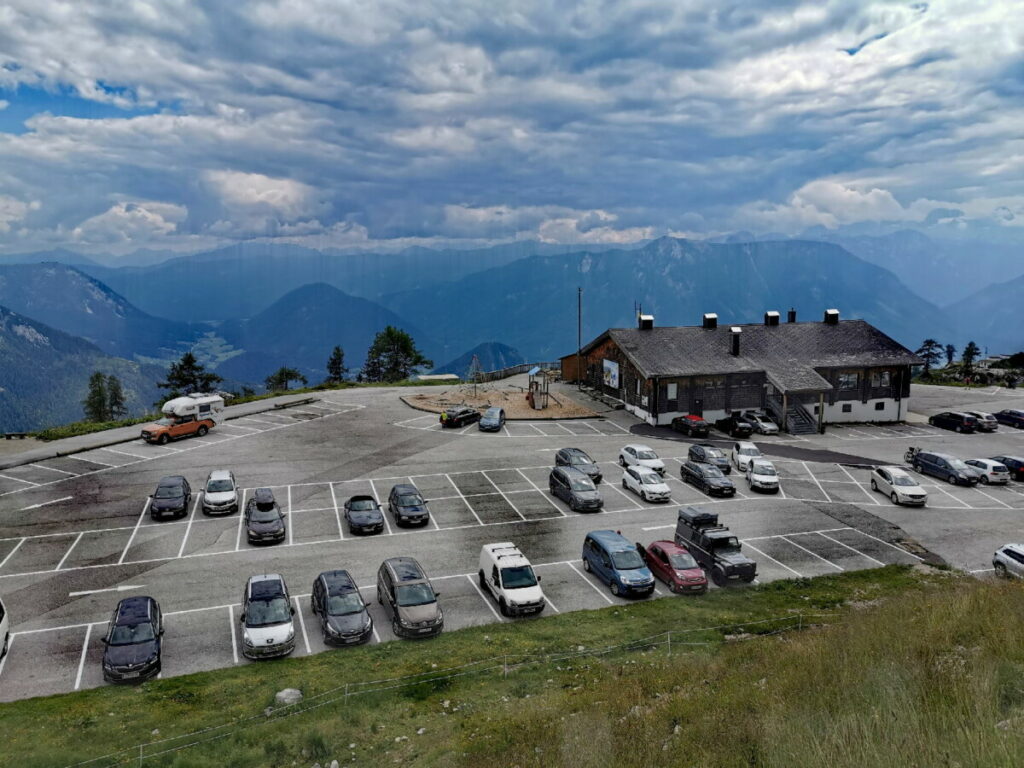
x=504 y=373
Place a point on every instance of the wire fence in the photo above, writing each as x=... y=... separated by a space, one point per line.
x=503 y=664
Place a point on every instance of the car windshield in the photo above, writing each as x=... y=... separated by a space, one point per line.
x=726 y=544
x=168 y=492
x=761 y=419
x=264 y=514
x=579 y=458
x=749 y=452
x=581 y=484
x=681 y=561
x=765 y=469
x=713 y=453
x=414 y=594
x=164 y=422
x=903 y=480
x=957 y=464
x=651 y=478
x=343 y=605
x=627 y=561
x=263 y=613
x=519 y=577
x=711 y=471
x=220 y=486
x=492 y=413
x=646 y=455
x=129 y=634
x=410 y=500
x=362 y=505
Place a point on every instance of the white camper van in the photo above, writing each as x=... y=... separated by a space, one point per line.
x=194 y=414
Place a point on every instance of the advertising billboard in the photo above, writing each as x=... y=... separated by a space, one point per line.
x=611 y=374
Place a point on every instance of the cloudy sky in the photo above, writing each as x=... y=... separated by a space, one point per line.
x=185 y=123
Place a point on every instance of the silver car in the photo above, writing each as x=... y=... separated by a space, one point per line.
x=762 y=424
x=1009 y=561
x=898 y=485
x=220 y=495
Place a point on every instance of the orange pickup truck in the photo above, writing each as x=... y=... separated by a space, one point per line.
x=185 y=416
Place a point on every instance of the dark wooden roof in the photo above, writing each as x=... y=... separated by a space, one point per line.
x=786 y=353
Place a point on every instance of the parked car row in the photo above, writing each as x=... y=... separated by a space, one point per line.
x=734 y=424
x=956 y=471
x=977 y=421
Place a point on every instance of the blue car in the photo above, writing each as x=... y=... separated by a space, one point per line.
x=492 y=420
x=614 y=560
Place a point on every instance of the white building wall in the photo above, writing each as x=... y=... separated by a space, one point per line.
x=893 y=410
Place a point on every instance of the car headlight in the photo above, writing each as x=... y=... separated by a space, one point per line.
x=291 y=634
x=247 y=640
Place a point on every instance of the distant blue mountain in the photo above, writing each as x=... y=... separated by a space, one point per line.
x=492 y=355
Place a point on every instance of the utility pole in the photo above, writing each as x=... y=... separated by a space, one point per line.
x=579 y=337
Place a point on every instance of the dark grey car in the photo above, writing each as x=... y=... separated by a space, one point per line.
x=579 y=459
x=171 y=498
x=264 y=520
x=409 y=598
x=407 y=505
x=336 y=601
x=707 y=477
x=575 y=488
x=706 y=453
x=363 y=515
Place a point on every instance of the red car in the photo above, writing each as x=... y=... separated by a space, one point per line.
x=691 y=425
x=674 y=566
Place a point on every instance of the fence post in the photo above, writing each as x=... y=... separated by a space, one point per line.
x=140 y=754
x=801 y=617
x=504 y=665
x=346 y=690
x=670 y=642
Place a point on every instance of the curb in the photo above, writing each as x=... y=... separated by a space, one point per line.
x=7 y=464
x=508 y=418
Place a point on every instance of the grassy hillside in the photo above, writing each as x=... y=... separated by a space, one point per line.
x=886 y=667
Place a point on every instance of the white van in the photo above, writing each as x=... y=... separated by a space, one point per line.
x=507 y=575
x=5 y=628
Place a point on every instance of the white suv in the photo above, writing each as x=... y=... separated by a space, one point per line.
x=1009 y=560
x=635 y=455
x=5 y=629
x=220 y=496
x=507 y=575
x=743 y=453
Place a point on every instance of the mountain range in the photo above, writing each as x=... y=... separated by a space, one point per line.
x=492 y=356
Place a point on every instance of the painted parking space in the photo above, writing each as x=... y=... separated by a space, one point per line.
x=37 y=554
x=62 y=651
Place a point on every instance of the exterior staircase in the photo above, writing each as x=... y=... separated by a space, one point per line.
x=799 y=420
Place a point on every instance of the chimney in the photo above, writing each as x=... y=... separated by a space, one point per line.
x=710 y=320
x=771 y=318
x=831 y=317
x=791 y=315
x=734 y=339
x=646 y=322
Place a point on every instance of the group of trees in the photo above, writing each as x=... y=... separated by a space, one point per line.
x=104 y=400
x=932 y=352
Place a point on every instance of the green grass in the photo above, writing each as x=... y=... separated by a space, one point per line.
x=917 y=664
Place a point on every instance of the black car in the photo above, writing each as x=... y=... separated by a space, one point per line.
x=132 y=644
x=1013 y=463
x=492 y=420
x=578 y=459
x=171 y=498
x=459 y=417
x=708 y=478
x=691 y=425
x=336 y=601
x=264 y=520
x=363 y=515
x=575 y=488
x=734 y=424
x=407 y=505
x=945 y=467
x=1011 y=418
x=705 y=453
x=954 y=420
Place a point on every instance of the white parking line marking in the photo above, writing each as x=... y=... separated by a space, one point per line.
x=54 y=469
x=19 y=480
x=291 y=520
x=536 y=429
x=963 y=504
x=808 y=471
x=873 y=497
x=505 y=430
x=124 y=553
x=302 y=626
x=383 y=513
x=234 y=634
x=337 y=514
x=11 y=553
x=81 y=661
x=746 y=543
x=3 y=661
x=592 y=584
x=506 y=498
x=241 y=520
x=484 y=598
x=812 y=554
x=78 y=538
x=624 y=495
x=121 y=588
x=883 y=541
x=188 y=528
x=997 y=501
x=124 y=453
x=81 y=457
x=546 y=496
x=837 y=541
x=434 y=519
x=464 y=501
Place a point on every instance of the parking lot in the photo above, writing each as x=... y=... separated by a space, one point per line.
x=75 y=534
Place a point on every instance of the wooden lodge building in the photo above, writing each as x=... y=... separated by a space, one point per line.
x=804 y=375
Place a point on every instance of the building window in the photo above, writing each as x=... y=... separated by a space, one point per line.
x=880 y=406
x=847 y=408
x=638 y=386
x=881 y=379
x=672 y=391
x=849 y=380
x=815 y=410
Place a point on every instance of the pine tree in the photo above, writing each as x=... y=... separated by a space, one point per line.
x=931 y=352
x=950 y=354
x=281 y=378
x=187 y=376
x=336 y=369
x=393 y=356
x=95 y=403
x=115 y=399
x=969 y=355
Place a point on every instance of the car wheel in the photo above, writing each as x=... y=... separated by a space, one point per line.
x=951 y=479
x=7 y=642
x=396 y=628
x=622 y=461
x=718 y=576
x=503 y=607
x=162 y=440
x=874 y=486
x=959 y=428
x=312 y=605
x=483 y=580
x=983 y=479
x=378 y=598
x=586 y=565
x=895 y=499
x=202 y=430
x=614 y=587
x=1001 y=570
x=623 y=482
x=917 y=468
x=643 y=496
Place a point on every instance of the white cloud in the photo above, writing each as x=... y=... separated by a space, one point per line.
x=550 y=224
x=131 y=222
x=13 y=210
x=4 y=104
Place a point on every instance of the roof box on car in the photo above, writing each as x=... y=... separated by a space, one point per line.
x=698 y=517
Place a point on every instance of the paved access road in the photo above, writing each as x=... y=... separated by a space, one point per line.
x=75 y=535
